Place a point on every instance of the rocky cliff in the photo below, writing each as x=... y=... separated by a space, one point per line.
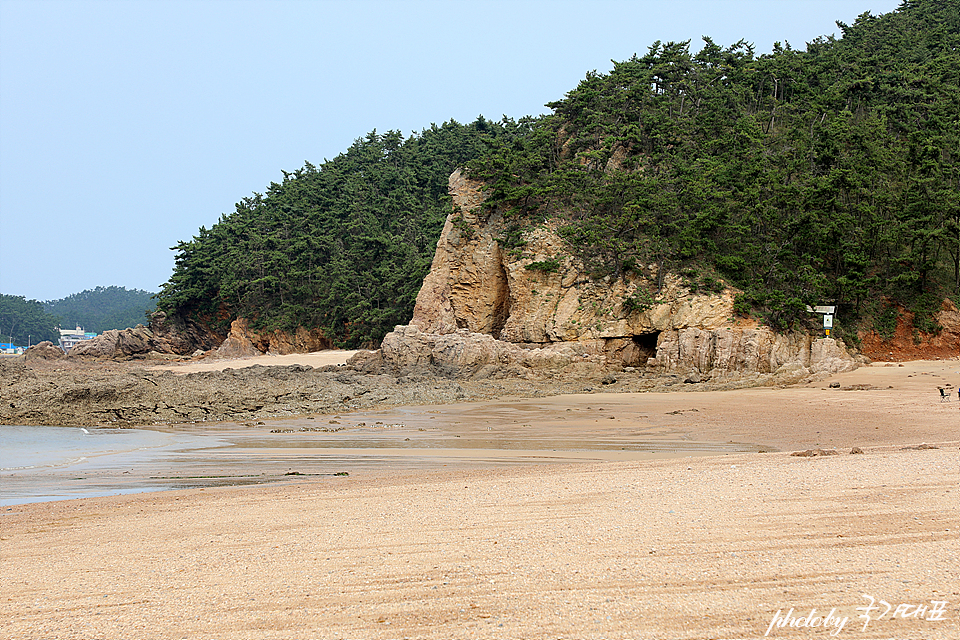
x=537 y=312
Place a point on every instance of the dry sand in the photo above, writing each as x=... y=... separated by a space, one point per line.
x=314 y=359
x=698 y=547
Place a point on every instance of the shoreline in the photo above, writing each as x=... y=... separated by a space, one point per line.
x=874 y=406
x=245 y=391
x=685 y=548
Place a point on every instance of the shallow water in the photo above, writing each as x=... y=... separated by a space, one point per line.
x=52 y=463
x=24 y=448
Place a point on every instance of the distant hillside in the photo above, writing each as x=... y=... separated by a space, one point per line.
x=102 y=308
x=25 y=322
x=828 y=175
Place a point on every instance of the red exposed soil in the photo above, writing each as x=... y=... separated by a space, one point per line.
x=903 y=346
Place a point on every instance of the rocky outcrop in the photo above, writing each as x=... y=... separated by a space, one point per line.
x=238 y=343
x=484 y=310
x=165 y=338
x=84 y=393
x=694 y=354
x=466 y=354
x=45 y=350
x=122 y=344
x=183 y=335
x=243 y=342
x=467 y=287
x=722 y=353
x=543 y=295
x=302 y=340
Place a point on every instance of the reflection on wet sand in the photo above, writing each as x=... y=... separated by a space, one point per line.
x=476 y=435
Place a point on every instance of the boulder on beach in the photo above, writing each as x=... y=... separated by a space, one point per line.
x=45 y=350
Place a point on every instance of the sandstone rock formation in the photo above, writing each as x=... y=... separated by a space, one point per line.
x=238 y=343
x=242 y=341
x=45 y=350
x=715 y=354
x=466 y=354
x=473 y=284
x=120 y=344
x=484 y=310
x=166 y=339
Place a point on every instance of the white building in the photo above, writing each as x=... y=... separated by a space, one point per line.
x=70 y=337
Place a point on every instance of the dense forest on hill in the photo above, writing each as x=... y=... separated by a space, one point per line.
x=829 y=174
x=343 y=246
x=800 y=177
x=103 y=308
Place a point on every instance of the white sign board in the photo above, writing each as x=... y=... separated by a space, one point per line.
x=827 y=321
x=822 y=309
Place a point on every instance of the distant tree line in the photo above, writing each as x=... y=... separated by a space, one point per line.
x=26 y=322
x=103 y=308
x=800 y=177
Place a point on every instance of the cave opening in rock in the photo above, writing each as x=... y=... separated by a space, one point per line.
x=645 y=346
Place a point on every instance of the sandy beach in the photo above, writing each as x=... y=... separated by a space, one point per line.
x=314 y=359
x=733 y=545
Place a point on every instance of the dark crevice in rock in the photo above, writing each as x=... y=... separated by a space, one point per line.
x=501 y=309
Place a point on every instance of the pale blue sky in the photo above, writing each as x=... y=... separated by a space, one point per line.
x=125 y=125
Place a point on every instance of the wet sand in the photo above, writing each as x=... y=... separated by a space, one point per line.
x=612 y=546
